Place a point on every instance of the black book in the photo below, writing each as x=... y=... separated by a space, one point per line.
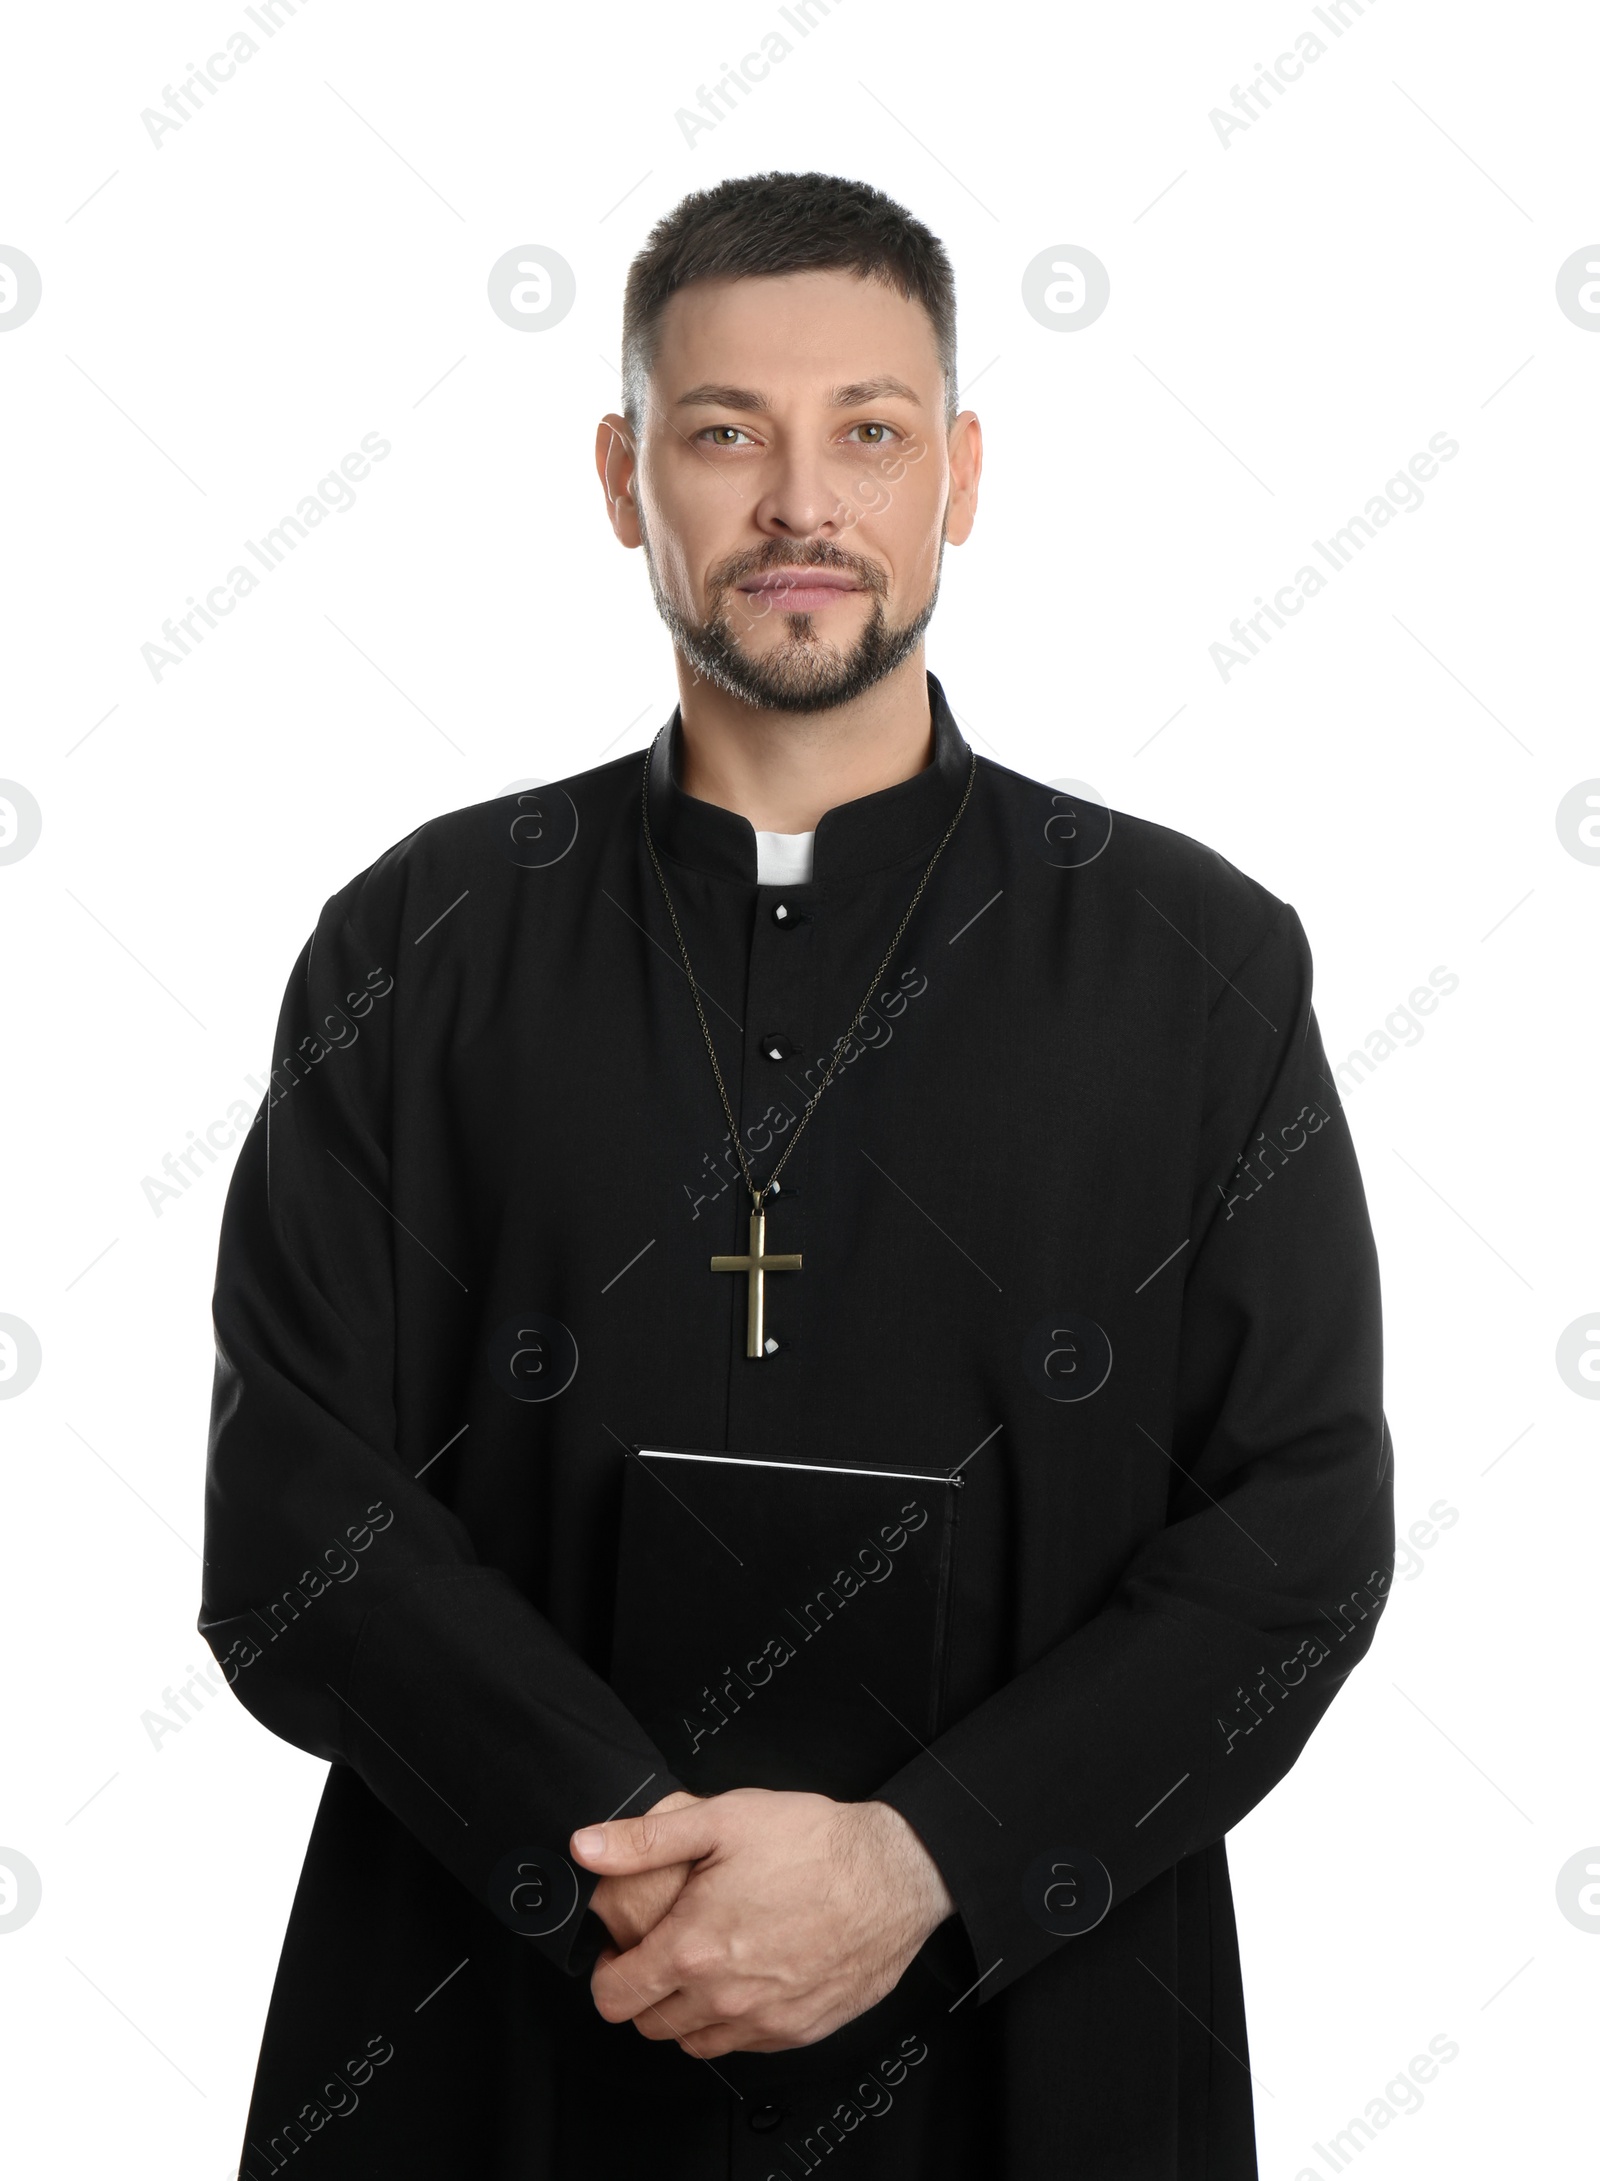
x=783 y=1624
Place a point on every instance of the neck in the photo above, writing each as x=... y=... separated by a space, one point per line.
x=782 y=770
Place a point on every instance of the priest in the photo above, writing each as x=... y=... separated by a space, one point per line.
x=657 y=1166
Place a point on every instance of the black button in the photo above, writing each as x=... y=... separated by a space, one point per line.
x=765 y=2117
x=776 y=1046
x=786 y=916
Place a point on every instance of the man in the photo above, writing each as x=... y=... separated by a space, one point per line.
x=1069 y=1228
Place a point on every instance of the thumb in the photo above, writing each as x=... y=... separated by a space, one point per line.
x=623 y=1846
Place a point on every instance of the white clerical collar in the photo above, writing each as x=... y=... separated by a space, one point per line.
x=783 y=859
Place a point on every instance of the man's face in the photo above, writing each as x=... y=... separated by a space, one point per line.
x=792 y=483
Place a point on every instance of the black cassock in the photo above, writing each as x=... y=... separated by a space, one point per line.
x=1081 y=1205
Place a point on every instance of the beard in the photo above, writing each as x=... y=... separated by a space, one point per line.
x=804 y=671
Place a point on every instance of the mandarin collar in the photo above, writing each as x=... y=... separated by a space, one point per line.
x=852 y=839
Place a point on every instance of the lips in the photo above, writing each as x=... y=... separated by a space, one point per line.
x=800 y=590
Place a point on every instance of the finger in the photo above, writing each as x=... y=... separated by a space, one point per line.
x=680 y=2018
x=673 y=2015
x=702 y=2044
x=642 y=1976
x=718 y=2038
x=689 y=2014
x=623 y=1846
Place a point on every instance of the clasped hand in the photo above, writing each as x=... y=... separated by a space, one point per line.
x=756 y=1921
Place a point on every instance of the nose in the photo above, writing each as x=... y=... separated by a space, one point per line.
x=798 y=500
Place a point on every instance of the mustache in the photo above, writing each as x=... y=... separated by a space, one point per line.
x=778 y=554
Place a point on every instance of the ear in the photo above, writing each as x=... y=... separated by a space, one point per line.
x=966 y=464
x=617 y=465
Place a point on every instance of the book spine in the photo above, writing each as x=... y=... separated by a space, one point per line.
x=939 y=1693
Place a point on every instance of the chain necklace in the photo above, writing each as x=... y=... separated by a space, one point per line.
x=757 y=1261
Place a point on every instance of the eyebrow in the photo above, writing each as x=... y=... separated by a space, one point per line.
x=851 y=396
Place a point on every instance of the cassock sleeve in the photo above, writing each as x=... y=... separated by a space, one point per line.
x=346 y=1604
x=1152 y=1729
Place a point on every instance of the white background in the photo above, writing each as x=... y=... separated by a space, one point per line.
x=1292 y=316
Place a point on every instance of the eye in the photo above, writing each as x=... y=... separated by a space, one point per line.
x=884 y=433
x=713 y=432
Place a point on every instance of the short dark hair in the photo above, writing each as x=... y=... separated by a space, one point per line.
x=766 y=224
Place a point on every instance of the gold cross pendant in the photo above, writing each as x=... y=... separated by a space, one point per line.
x=757 y=1264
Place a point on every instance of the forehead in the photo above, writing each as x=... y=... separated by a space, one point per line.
x=794 y=334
